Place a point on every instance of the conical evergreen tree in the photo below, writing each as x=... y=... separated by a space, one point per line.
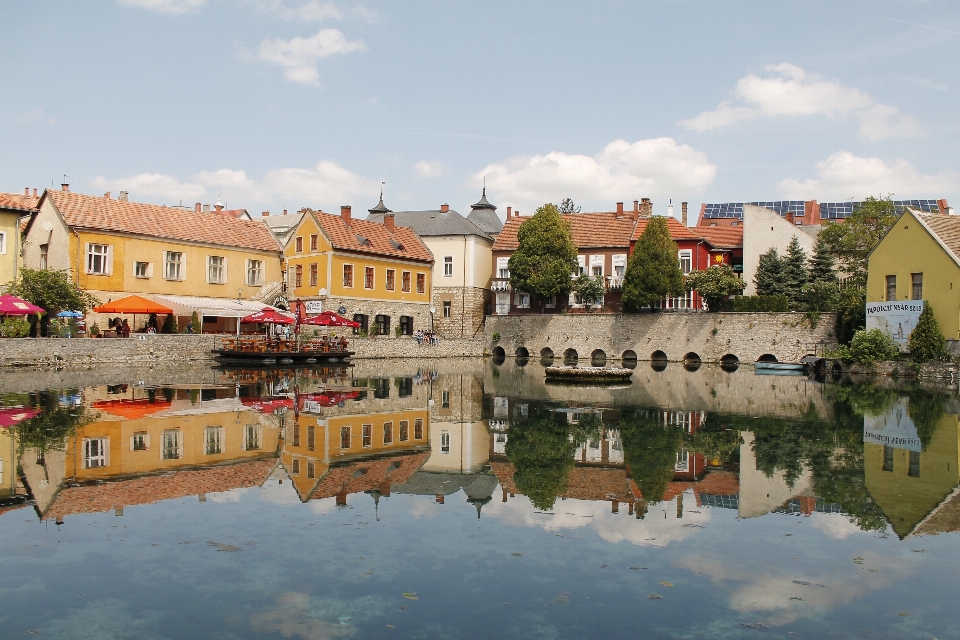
x=654 y=269
x=545 y=257
x=794 y=270
x=769 y=278
x=822 y=264
x=926 y=341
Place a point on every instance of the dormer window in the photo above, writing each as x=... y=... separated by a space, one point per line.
x=362 y=241
x=397 y=245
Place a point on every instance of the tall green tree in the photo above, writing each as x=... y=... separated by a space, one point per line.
x=794 y=270
x=852 y=241
x=541 y=451
x=715 y=284
x=926 y=341
x=822 y=263
x=769 y=278
x=545 y=257
x=52 y=291
x=650 y=452
x=654 y=268
x=569 y=206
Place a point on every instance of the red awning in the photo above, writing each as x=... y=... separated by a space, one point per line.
x=266 y=316
x=328 y=398
x=267 y=405
x=14 y=306
x=11 y=416
x=330 y=319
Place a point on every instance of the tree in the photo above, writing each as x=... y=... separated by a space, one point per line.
x=794 y=270
x=715 y=284
x=51 y=290
x=851 y=315
x=852 y=241
x=545 y=257
x=569 y=206
x=650 y=451
x=653 y=270
x=769 y=278
x=822 y=264
x=589 y=288
x=926 y=341
x=541 y=451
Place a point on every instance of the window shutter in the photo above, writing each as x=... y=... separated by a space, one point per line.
x=131 y=442
x=86 y=257
x=208 y=269
x=109 y=264
x=225 y=273
x=582 y=262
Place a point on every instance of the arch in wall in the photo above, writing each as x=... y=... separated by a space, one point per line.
x=729 y=363
x=629 y=359
x=546 y=352
x=658 y=365
x=692 y=357
x=658 y=355
x=767 y=357
x=522 y=352
x=522 y=361
x=498 y=352
x=598 y=358
x=570 y=356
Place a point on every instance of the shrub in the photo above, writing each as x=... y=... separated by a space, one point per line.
x=820 y=296
x=873 y=345
x=14 y=327
x=761 y=303
x=496 y=337
x=926 y=341
x=851 y=315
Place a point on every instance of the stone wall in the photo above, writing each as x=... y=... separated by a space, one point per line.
x=466 y=311
x=747 y=336
x=419 y=311
x=140 y=349
x=407 y=347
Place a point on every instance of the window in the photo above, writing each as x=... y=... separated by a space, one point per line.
x=344 y=437
x=887 y=458
x=296 y=435
x=522 y=300
x=311 y=470
x=418 y=429
x=444 y=442
x=216 y=269
x=391 y=279
x=173 y=265
x=387 y=433
x=383 y=324
x=142 y=269
x=620 y=264
x=95 y=453
x=140 y=441
x=551 y=302
x=298 y=276
x=581 y=266
x=252 y=435
x=348 y=275
x=891 y=288
x=44 y=249
x=404 y=430
x=311 y=437
x=916 y=285
x=596 y=266
x=447 y=306
x=366 y=435
x=406 y=325
x=447 y=266
x=98 y=258
x=172 y=445
x=404 y=387
x=405 y=282
x=914 y=469
x=295 y=467
x=503 y=268
x=255 y=273
x=299 y=244
x=314 y=274
x=313 y=242
x=421 y=282
x=3 y=242
x=686 y=261
x=444 y=399
x=213 y=440
x=368 y=275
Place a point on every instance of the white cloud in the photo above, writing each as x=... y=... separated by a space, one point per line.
x=299 y=56
x=310 y=11
x=325 y=185
x=425 y=169
x=789 y=91
x=844 y=175
x=36 y=116
x=172 y=7
x=648 y=168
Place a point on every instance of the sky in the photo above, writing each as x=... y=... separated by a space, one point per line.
x=284 y=104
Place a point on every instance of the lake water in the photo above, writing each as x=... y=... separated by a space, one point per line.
x=472 y=500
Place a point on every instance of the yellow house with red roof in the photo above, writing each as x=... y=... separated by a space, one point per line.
x=13 y=209
x=377 y=274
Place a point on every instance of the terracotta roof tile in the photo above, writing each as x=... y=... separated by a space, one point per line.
x=18 y=202
x=369 y=474
x=945 y=227
x=723 y=237
x=104 y=214
x=344 y=236
x=587 y=230
x=678 y=230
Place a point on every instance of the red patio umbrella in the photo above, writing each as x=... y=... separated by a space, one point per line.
x=329 y=319
x=267 y=315
x=14 y=306
x=10 y=416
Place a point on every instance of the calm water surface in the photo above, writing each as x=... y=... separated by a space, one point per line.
x=472 y=500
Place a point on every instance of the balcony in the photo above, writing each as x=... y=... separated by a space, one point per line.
x=500 y=284
x=614 y=283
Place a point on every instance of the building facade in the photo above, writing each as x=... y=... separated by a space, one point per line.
x=765 y=229
x=13 y=209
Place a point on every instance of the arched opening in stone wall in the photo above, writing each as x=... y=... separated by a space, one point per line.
x=691 y=361
x=767 y=357
x=570 y=357
x=498 y=352
x=546 y=357
x=522 y=361
x=658 y=355
x=629 y=359
x=522 y=352
x=658 y=360
x=598 y=358
x=729 y=363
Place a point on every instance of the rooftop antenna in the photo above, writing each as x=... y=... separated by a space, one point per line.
x=484 y=185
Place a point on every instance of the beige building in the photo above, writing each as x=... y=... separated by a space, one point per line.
x=13 y=209
x=764 y=229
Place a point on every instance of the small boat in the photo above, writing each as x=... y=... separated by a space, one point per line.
x=588 y=374
x=263 y=351
x=779 y=368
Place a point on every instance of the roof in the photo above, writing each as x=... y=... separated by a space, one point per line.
x=230 y=213
x=484 y=215
x=402 y=243
x=282 y=227
x=368 y=475
x=946 y=228
x=105 y=214
x=433 y=223
x=591 y=230
x=26 y=204
x=723 y=237
x=678 y=230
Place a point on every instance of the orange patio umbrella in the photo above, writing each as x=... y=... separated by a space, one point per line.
x=133 y=304
x=131 y=409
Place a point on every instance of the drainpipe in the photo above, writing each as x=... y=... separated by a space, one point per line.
x=463 y=290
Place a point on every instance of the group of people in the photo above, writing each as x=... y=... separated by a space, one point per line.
x=426 y=337
x=122 y=327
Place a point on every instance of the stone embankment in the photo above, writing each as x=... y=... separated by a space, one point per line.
x=149 y=349
x=708 y=337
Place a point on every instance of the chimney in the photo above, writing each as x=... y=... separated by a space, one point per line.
x=509 y=212
x=646 y=207
x=206 y=208
x=284 y=212
x=34 y=192
x=670 y=208
x=942 y=205
x=636 y=206
x=388 y=221
x=444 y=208
x=683 y=213
x=345 y=213
x=124 y=196
x=26 y=192
x=64 y=186
x=107 y=195
x=619 y=209
x=218 y=206
x=266 y=214
x=197 y=207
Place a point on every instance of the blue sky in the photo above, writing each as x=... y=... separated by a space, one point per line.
x=272 y=104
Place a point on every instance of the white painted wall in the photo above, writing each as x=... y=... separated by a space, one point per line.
x=472 y=260
x=764 y=229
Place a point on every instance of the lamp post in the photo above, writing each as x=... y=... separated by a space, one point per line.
x=433 y=310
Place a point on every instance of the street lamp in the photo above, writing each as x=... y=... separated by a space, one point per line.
x=433 y=310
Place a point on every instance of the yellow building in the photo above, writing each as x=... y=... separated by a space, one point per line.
x=919 y=259
x=13 y=208
x=113 y=248
x=378 y=274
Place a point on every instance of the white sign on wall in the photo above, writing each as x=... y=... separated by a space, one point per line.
x=893 y=429
x=896 y=319
x=313 y=306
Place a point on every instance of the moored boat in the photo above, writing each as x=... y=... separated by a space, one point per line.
x=779 y=368
x=588 y=374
